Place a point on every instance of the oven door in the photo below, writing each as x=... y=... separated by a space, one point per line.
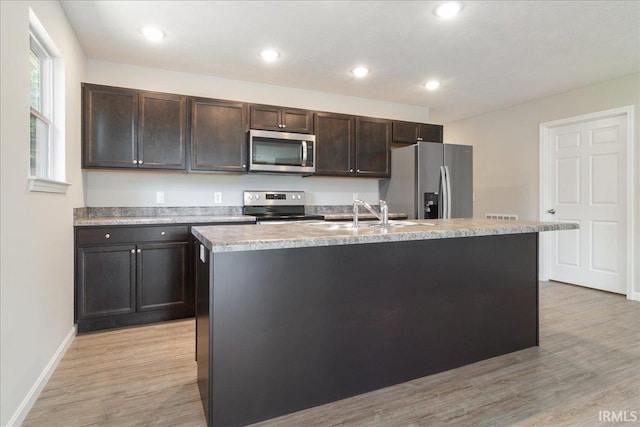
x=281 y=152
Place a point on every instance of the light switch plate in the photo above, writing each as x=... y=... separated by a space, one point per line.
x=160 y=197
x=217 y=197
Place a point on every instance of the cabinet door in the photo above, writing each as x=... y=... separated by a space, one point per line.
x=335 y=138
x=218 y=135
x=266 y=117
x=431 y=133
x=162 y=131
x=105 y=281
x=373 y=152
x=163 y=276
x=109 y=121
x=299 y=121
x=405 y=132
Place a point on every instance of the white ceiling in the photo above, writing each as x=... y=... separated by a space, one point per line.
x=494 y=54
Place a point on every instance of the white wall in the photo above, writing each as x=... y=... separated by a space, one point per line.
x=36 y=253
x=139 y=188
x=506 y=144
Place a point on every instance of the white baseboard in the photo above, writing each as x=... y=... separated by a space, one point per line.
x=31 y=397
x=635 y=296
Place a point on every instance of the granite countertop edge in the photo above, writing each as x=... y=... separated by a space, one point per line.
x=152 y=220
x=238 y=238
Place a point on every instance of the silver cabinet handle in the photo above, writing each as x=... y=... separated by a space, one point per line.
x=139 y=162
x=107 y=236
x=351 y=170
x=139 y=251
x=358 y=170
x=135 y=162
x=284 y=126
x=162 y=233
x=133 y=251
x=552 y=211
x=244 y=165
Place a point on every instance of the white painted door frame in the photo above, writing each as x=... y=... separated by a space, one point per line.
x=545 y=129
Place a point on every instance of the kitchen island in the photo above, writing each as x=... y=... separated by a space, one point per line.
x=294 y=316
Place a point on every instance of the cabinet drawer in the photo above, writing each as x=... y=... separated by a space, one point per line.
x=109 y=235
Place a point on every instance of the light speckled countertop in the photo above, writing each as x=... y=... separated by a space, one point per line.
x=151 y=220
x=249 y=237
x=115 y=216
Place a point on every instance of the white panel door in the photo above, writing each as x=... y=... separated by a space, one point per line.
x=587 y=170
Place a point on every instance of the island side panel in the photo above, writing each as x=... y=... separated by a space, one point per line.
x=296 y=328
x=202 y=275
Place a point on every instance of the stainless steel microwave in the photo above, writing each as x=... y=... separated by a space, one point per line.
x=281 y=152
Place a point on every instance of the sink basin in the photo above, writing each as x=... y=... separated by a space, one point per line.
x=328 y=225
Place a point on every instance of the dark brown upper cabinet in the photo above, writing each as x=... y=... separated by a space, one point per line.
x=335 y=144
x=373 y=147
x=410 y=133
x=268 y=117
x=162 y=131
x=126 y=128
x=218 y=135
x=109 y=122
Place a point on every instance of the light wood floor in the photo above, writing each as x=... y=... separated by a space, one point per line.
x=588 y=361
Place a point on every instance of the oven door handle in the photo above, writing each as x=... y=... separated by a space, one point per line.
x=304 y=153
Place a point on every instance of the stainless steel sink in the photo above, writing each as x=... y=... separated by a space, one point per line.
x=328 y=225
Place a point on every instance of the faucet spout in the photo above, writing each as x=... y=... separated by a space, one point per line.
x=383 y=215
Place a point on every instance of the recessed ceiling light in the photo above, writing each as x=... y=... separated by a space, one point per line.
x=152 y=34
x=448 y=9
x=269 y=55
x=360 y=72
x=432 y=85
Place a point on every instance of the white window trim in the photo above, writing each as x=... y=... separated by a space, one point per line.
x=45 y=185
x=56 y=183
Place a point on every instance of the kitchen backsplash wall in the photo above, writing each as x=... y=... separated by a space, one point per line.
x=127 y=189
x=122 y=188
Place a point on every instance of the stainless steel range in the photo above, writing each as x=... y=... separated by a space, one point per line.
x=271 y=207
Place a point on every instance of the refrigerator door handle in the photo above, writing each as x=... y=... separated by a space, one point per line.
x=443 y=184
x=448 y=175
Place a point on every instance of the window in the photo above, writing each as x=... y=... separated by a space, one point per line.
x=41 y=100
x=46 y=112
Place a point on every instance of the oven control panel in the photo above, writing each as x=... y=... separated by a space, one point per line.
x=274 y=198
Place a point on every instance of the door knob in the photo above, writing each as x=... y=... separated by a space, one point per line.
x=552 y=211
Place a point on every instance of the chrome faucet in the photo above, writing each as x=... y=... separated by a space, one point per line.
x=383 y=215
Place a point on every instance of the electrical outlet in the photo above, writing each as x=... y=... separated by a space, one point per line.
x=217 y=197
x=160 y=197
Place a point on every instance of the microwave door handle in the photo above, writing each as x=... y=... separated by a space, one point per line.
x=304 y=153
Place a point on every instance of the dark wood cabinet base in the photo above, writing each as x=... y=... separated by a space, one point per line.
x=284 y=330
x=133 y=319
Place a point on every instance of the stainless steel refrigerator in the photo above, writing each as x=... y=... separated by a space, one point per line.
x=430 y=180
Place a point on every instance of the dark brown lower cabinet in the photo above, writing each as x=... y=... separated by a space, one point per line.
x=132 y=283
x=107 y=281
x=162 y=276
